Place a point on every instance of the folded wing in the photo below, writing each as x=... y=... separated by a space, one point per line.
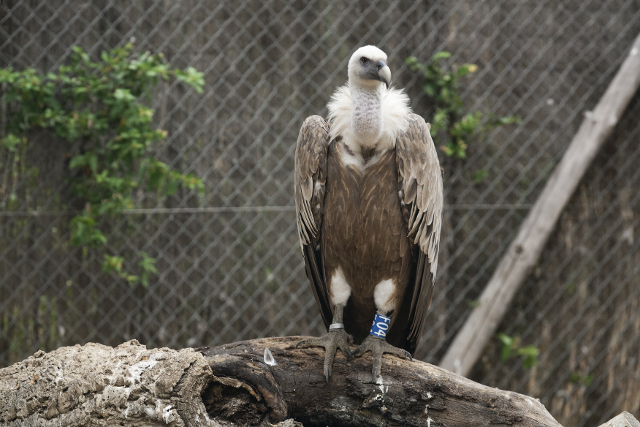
x=310 y=183
x=421 y=198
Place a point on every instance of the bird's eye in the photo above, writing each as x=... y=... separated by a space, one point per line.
x=364 y=60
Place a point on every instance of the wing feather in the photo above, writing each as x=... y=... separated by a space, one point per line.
x=310 y=183
x=421 y=191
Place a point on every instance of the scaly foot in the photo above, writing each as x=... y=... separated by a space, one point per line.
x=378 y=346
x=333 y=340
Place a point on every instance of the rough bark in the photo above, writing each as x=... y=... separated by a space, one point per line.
x=625 y=419
x=407 y=393
x=96 y=385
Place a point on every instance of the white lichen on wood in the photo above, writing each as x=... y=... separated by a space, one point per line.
x=99 y=385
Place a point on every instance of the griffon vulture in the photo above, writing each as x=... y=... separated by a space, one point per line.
x=368 y=194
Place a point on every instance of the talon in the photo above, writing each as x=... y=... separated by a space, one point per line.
x=331 y=342
x=378 y=346
x=347 y=352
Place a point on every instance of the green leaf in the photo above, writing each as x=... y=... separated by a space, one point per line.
x=413 y=63
x=461 y=149
x=10 y=142
x=78 y=161
x=508 y=120
x=465 y=69
x=192 y=77
x=507 y=343
x=430 y=89
x=93 y=161
x=531 y=356
x=112 y=263
x=588 y=380
x=473 y=303
x=172 y=186
x=157 y=174
x=480 y=175
x=441 y=55
x=85 y=233
x=575 y=377
x=123 y=95
x=148 y=267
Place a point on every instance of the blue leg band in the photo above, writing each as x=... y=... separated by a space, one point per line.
x=380 y=326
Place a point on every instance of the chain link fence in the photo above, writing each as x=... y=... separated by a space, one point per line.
x=229 y=266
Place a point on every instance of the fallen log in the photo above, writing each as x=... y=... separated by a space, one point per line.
x=407 y=393
x=128 y=385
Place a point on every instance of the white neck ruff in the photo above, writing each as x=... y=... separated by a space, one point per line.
x=368 y=119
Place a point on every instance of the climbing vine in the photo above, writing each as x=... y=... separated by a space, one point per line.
x=98 y=108
x=452 y=126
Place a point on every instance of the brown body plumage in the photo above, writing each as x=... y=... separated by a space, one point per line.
x=362 y=226
x=357 y=201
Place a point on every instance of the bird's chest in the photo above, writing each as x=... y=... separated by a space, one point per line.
x=362 y=207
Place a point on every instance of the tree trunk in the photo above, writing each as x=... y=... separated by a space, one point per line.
x=129 y=385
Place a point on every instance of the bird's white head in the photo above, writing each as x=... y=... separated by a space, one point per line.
x=368 y=68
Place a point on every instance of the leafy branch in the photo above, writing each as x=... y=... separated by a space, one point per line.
x=97 y=107
x=452 y=125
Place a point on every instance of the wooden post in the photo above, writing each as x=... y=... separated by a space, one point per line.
x=536 y=228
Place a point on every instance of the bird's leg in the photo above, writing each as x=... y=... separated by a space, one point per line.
x=335 y=339
x=376 y=343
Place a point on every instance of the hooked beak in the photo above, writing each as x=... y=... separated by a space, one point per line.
x=384 y=73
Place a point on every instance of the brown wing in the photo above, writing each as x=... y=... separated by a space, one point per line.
x=421 y=197
x=310 y=183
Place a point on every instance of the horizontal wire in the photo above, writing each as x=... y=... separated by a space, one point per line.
x=223 y=209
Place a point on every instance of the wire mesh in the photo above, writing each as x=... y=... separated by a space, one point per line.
x=229 y=266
